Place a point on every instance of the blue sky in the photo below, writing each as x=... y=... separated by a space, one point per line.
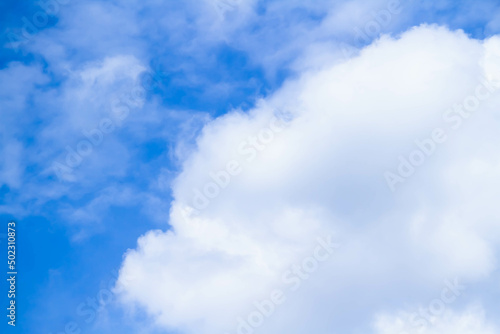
x=197 y=68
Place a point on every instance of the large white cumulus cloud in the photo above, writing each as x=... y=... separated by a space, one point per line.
x=326 y=141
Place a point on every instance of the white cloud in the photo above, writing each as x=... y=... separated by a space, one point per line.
x=471 y=321
x=324 y=175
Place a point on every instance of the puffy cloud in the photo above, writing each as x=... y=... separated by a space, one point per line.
x=308 y=162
